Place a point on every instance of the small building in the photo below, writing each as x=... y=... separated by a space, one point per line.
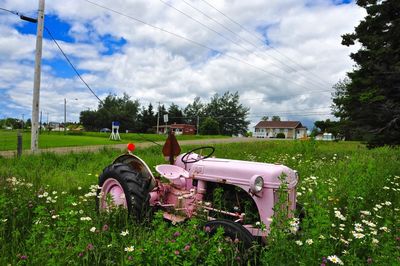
x=270 y=129
x=325 y=136
x=178 y=129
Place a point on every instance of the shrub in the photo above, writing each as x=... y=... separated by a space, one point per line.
x=280 y=136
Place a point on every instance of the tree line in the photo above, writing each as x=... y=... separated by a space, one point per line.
x=224 y=115
x=367 y=101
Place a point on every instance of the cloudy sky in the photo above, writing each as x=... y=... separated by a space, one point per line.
x=282 y=56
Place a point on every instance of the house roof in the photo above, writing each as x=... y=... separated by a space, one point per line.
x=279 y=124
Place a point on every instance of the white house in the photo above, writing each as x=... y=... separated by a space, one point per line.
x=270 y=129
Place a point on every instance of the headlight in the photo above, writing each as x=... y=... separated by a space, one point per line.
x=256 y=183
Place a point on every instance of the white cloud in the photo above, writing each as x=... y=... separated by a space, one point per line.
x=156 y=66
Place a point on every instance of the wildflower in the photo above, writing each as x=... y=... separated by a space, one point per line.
x=365 y=212
x=345 y=252
x=375 y=241
x=125 y=233
x=369 y=260
x=93 y=229
x=358 y=235
x=23 y=257
x=207 y=229
x=80 y=255
x=384 y=228
x=258 y=223
x=4 y=220
x=54 y=216
x=344 y=241
x=86 y=218
x=378 y=206
x=90 y=246
x=176 y=252
x=109 y=245
x=299 y=243
x=79 y=188
x=187 y=247
x=45 y=194
x=74 y=204
x=339 y=215
x=130 y=249
x=388 y=203
x=335 y=259
x=321 y=237
x=105 y=227
x=386 y=188
x=309 y=241
x=54 y=192
x=176 y=234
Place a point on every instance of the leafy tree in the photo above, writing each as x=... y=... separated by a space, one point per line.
x=194 y=110
x=264 y=118
x=209 y=127
x=276 y=118
x=229 y=113
x=370 y=102
x=327 y=126
x=112 y=108
x=175 y=114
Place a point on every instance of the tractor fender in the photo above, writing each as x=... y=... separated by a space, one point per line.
x=138 y=165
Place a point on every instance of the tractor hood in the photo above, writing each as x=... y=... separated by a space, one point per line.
x=238 y=172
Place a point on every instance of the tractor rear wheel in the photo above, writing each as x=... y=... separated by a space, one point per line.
x=232 y=230
x=122 y=186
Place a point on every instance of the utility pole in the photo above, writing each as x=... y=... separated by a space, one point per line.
x=23 y=122
x=36 y=83
x=158 y=117
x=65 y=116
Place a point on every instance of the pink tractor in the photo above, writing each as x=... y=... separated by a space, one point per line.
x=240 y=196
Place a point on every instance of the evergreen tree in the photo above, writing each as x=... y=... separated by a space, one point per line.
x=175 y=114
x=369 y=103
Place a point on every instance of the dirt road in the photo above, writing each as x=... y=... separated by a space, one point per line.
x=64 y=150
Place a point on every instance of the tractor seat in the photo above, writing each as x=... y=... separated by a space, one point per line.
x=175 y=174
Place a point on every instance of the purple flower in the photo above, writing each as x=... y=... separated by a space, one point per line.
x=105 y=227
x=369 y=260
x=324 y=260
x=23 y=257
x=90 y=246
x=187 y=247
x=176 y=234
x=130 y=258
x=176 y=252
x=323 y=264
x=80 y=255
x=207 y=229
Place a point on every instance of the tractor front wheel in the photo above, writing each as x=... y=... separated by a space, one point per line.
x=122 y=186
x=232 y=230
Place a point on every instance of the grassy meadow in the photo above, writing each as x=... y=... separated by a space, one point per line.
x=351 y=197
x=8 y=139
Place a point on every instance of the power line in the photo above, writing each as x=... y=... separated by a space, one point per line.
x=249 y=42
x=194 y=42
x=263 y=41
x=73 y=67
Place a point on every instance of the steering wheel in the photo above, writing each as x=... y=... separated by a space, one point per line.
x=186 y=160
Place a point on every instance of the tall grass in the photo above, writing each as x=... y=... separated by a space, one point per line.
x=351 y=197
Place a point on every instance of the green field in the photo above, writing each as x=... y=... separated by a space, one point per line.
x=8 y=139
x=351 y=197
